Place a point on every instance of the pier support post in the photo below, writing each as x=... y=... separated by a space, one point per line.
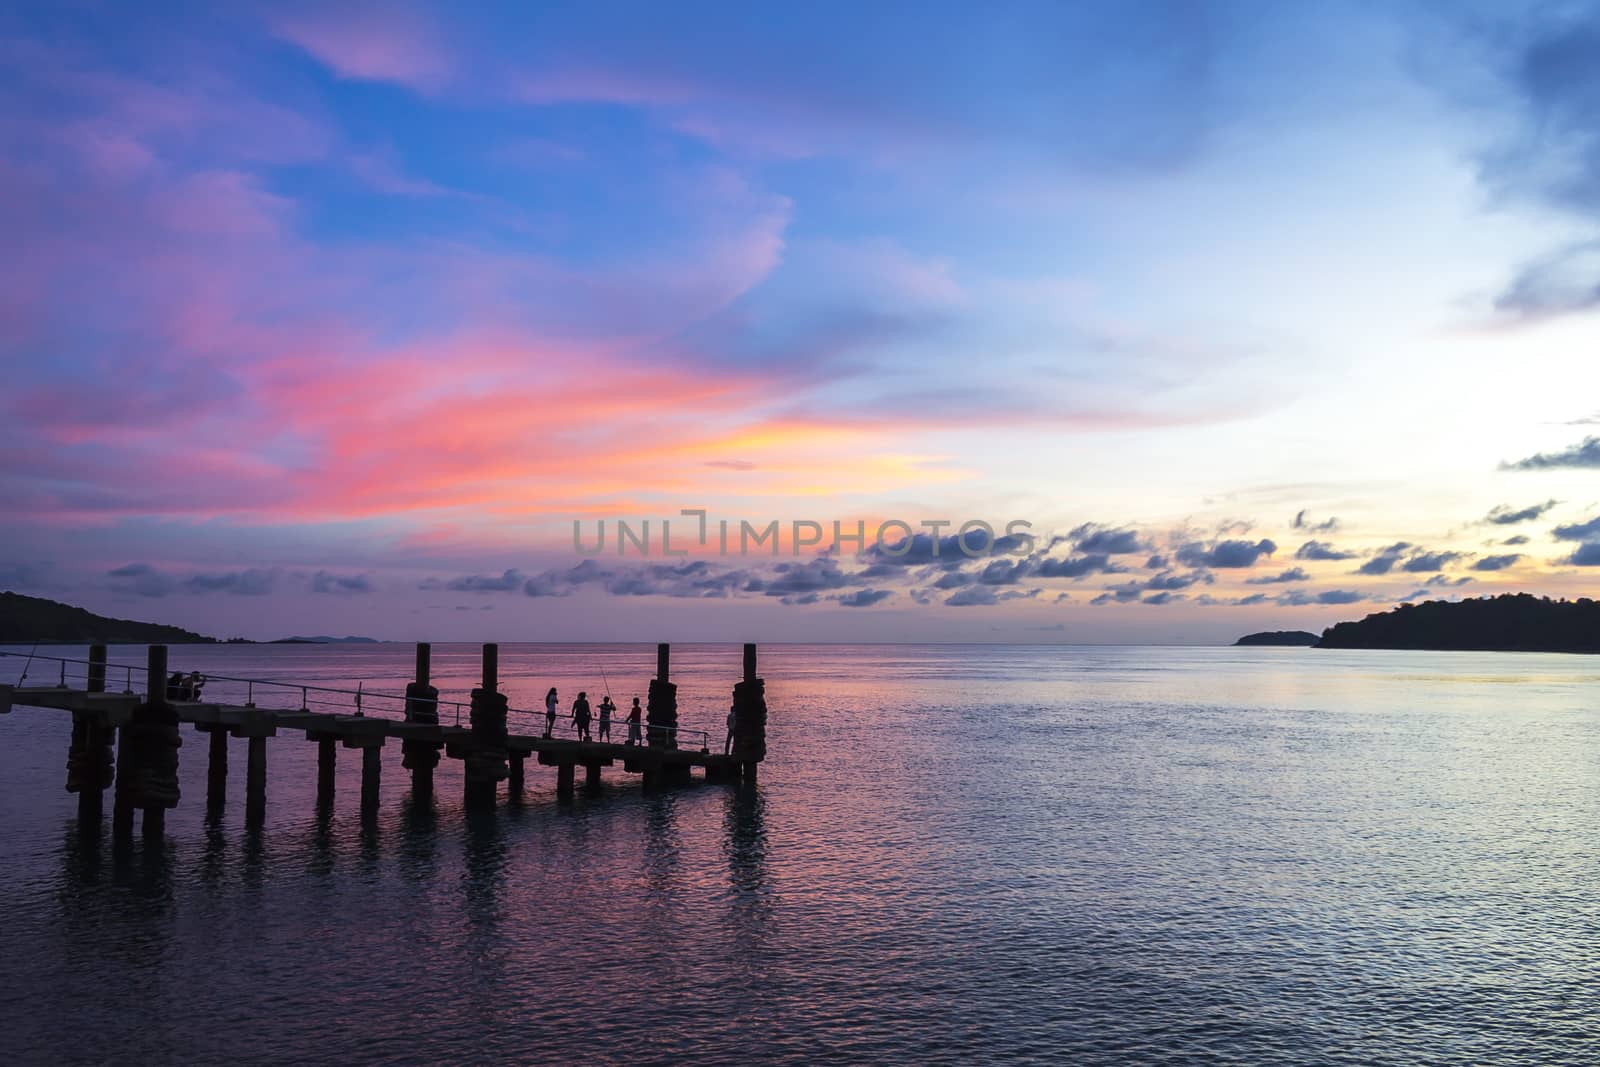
x=147 y=754
x=750 y=719
x=564 y=776
x=371 y=769
x=327 y=763
x=485 y=763
x=255 y=782
x=662 y=703
x=591 y=777
x=90 y=763
x=217 y=772
x=515 y=784
x=422 y=706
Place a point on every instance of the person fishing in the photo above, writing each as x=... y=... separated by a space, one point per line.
x=550 y=704
x=607 y=709
x=581 y=716
x=175 y=686
x=635 y=713
x=194 y=683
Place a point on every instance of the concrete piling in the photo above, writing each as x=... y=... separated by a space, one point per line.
x=255 y=782
x=750 y=718
x=371 y=769
x=217 y=771
x=147 y=753
x=485 y=761
x=421 y=756
x=327 y=764
x=90 y=761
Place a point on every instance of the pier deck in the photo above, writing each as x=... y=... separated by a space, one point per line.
x=144 y=728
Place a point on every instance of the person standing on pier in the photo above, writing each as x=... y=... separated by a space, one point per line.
x=581 y=716
x=550 y=702
x=634 y=715
x=607 y=708
x=733 y=718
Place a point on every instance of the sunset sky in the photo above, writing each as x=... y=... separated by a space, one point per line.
x=335 y=319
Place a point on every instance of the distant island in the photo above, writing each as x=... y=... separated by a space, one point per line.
x=325 y=640
x=1514 y=622
x=27 y=619
x=1294 y=638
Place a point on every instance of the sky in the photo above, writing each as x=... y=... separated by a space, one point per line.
x=363 y=319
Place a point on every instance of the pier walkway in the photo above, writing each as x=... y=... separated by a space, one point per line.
x=143 y=730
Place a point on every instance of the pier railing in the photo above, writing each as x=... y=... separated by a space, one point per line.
x=278 y=695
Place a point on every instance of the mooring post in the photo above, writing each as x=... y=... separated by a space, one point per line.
x=422 y=706
x=327 y=761
x=217 y=770
x=371 y=768
x=662 y=710
x=97 y=669
x=255 y=782
x=89 y=761
x=749 y=718
x=485 y=764
x=147 y=754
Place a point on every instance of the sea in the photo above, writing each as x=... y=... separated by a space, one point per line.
x=954 y=854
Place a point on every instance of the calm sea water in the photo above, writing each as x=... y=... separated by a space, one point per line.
x=955 y=854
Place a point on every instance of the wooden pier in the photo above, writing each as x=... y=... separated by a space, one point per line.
x=130 y=743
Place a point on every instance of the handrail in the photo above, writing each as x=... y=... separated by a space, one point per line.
x=359 y=695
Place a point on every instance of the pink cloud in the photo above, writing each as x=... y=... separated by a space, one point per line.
x=372 y=42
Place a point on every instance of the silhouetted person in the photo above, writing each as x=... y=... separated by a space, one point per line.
x=550 y=703
x=175 y=686
x=195 y=683
x=727 y=746
x=581 y=716
x=635 y=713
x=606 y=710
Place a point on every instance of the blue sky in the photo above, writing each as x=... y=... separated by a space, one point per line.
x=343 y=313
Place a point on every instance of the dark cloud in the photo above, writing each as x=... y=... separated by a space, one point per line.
x=1586 y=555
x=1321 y=550
x=973 y=596
x=1520 y=539
x=1447 y=581
x=1172 y=580
x=945 y=551
x=1156 y=563
x=1301 y=598
x=143 y=580
x=1553 y=155
x=508 y=582
x=1076 y=567
x=1162 y=598
x=323 y=582
x=1497 y=563
x=1578 y=531
x=1225 y=554
x=253 y=581
x=1293 y=574
x=1504 y=515
x=1301 y=522
x=1424 y=562
x=1585 y=455
x=1560 y=282
x=21 y=576
x=1091 y=538
x=863 y=598
x=1385 y=560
